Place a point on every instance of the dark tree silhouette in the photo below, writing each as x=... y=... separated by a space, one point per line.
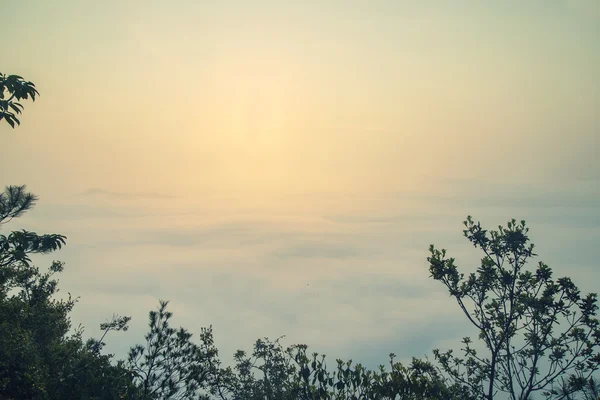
x=39 y=358
x=540 y=334
x=169 y=365
x=273 y=372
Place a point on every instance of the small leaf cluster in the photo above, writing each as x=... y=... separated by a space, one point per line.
x=13 y=89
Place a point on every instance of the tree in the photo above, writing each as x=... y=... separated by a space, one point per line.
x=272 y=372
x=13 y=89
x=39 y=359
x=539 y=334
x=170 y=365
x=266 y=373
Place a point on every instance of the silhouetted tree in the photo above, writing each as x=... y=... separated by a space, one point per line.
x=169 y=365
x=39 y=359
x=267 y=373
x=272 y=372
x=540 y=334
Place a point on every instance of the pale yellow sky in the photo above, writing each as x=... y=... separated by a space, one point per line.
x=276 y=97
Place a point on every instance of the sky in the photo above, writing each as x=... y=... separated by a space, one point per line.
x=280 y=168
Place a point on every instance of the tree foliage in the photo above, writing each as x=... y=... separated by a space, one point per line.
x=170 y=365
x=40 y=358
x=540 y=334
x=13 y=89
x=276 y=373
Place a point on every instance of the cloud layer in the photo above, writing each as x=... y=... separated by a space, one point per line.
x=351 y=284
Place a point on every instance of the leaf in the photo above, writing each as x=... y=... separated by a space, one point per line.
x=16 y=107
